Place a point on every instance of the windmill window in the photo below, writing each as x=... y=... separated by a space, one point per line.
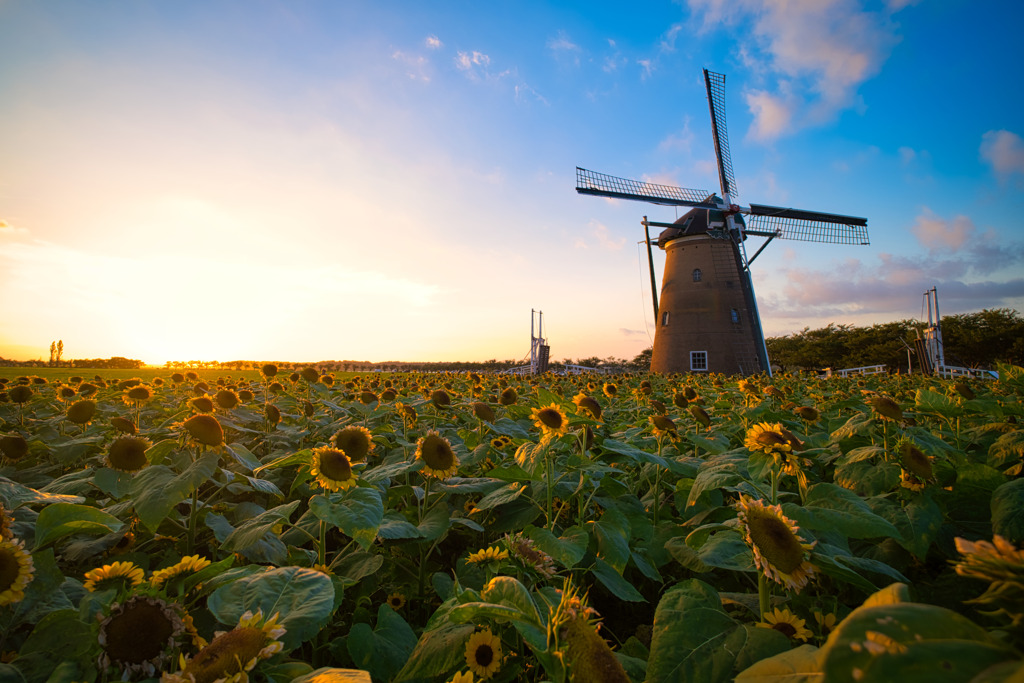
x=735 y=315
x=699 y=360
x=696 y=274
x=664 y=319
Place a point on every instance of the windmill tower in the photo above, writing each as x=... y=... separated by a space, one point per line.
x=707 y=319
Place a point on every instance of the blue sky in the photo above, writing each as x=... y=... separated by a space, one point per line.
x=395 y=180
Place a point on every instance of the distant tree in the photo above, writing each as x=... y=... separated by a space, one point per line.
x=60 y=350
x=642 y=361
x=53 y=352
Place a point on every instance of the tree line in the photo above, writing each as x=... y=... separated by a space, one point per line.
x=972 y=340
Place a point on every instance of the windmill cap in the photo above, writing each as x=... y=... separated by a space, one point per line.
x=695 y=222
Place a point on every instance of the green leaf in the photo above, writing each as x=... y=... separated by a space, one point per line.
x=928 y=401
x=328 y=674
x=724 y=470
x=752 y=643
x=886 y=642
x=830 y=507
x=157 y=489
x=63 y=519
x=243 y=456
x=15 y=495
x=505 y=590
x=384 y=649
x=302 y=457
x=727 y=550
x=612 y=533
x=800 y=665
x=253 y=530
x=567 y=549
x=395 y=526
x=304 y=599
x=1008 y=511
x=505 y=494
x=857 y=425
x=614 y=582
x=435 y=523
x=690 y=629
x=918 y=521
x=867 y=478
x=357 y=512
x=156 y=453
x=114 y=483
x=441 y=647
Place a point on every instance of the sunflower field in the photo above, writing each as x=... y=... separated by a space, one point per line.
x=465 y=527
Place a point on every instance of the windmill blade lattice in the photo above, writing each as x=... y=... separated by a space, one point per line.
x=806 y=226
x=715 y=84
x=602 y=185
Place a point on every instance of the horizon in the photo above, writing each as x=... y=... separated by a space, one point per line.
x=205 y=180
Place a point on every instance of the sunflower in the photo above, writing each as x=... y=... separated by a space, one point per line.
x=123 y=545
x=491 y=554
x=310 y=374
x=128 y=453
x=440 y=398
x=205 y=430
x=187 y=565
x=483 y=412
x=437 y=455
x=550 y=420
x=483 y=653
x=587 y=404
x=20 y=394
x=117 y=574
x=529 y=555
x=916 y=466
x=202 y=404
x=462 y=677
x=767 y=438
x=137 y=395
x=268 y=369
x=610 y=390
x=663 y=426
x=232 y=654
x=357 y=442
x=14 y=447
x=408 y=414
x=807 y=413
x=786 y=623
x=81 y=412
x=272 y=413
x=332 y=468
x=699 y=414
x=396 y=601
x=226 y=399
x=885 y=407
x=6 y=522
x=1002 y=565
x=508 y=397
x=826 y=622
x=16 y=570
x=778 y=550
x=140 y=635
x=749 y=388
x=123 y=425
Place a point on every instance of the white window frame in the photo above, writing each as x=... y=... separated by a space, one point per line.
x=698 y=358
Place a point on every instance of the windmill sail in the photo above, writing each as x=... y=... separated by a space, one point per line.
x=602 y=185
x=806 y=226
x=715 y=84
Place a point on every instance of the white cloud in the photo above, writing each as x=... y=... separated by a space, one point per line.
x=821 y=50
x=433 y=42
x=1004 y=151
x=468 y=60
x=937 y=233
x=907 y=155
x=562 y=46
x=601 y=236
x=417 y=66
x=646 y=68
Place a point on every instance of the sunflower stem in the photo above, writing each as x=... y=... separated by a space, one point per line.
x=321 y=550
x=549 y=476
x=764 y=595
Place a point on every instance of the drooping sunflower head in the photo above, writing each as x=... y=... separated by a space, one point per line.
x=139 y=636
x=778 y=551
x=913 y=460
x=16 y=570
x=202 y=404
x=886 y=407
x=807 y=413
x=366 y=397
x=663 y=426
x=128 y=453
x=185 y=567
x=310 y=374
x=226 y=399
x=356 y=441
x=587 y=405
x=268 y=370
x=119 y=575
x=123 y=425
x=20 y=394
x=332 y=468
x=138 y=394
x=407 y=412
x=483 y=411
x=508 y=397
x=550 y=419
x=786 y=623
x=14 y=447
x=492 y=554
x=204 y=430
x=699 y=414
x=526 y=552
x=749 y=388
x=767 y=438
x=437 y=455
x=81 y=412
x=483 y=653
x=440 y=398
x=232 y=654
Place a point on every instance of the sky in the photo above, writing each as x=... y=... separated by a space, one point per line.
x=394 y=180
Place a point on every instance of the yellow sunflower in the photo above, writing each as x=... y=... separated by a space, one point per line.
x=483 y=653
x=16 y=571
x=205 y=430
x=231 y=655
x=767 y=438
x=778 y=550
x=462 y=677
x=6 y=522
x=332 y=468
x=610 y=390
x=139 y=636
x=886 y=407
x=550 y=420
x=187 y=565
x=663 y=426
x=826 y=622
x=482 y=411
x=116 y=574
x=488 y=555
x=916 y=466
x=356 y=441
x=396 y=601
x=786 y=623
x=587 y=404
x=437 y=455
x=1002 y=565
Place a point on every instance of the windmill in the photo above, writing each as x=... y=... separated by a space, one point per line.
x=707 y=320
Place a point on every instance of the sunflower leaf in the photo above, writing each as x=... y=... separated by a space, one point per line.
x=63 y=519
